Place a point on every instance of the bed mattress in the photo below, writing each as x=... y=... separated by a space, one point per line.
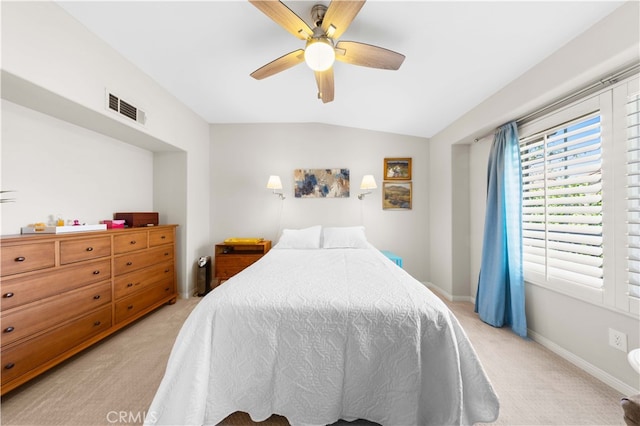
x=321 y=335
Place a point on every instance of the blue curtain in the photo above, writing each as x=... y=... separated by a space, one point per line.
x=500 y=296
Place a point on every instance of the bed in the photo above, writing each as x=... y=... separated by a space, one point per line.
x=323 y=327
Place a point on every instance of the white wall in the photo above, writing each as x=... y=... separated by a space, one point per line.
x=53 y=64
x=572 y=328
x=243 y=157
x=47 y=163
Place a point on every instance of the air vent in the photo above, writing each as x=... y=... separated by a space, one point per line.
x=116 y=104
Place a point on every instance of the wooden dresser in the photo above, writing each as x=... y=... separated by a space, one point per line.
x=232 y=258
x=61 y=293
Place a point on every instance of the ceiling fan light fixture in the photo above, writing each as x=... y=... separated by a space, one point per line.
x=319 y=54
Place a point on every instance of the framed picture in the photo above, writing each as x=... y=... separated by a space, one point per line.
x=396 y=195
x=397 y=169
x=321 y=183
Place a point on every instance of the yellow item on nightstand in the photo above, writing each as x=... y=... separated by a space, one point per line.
x=243 y=240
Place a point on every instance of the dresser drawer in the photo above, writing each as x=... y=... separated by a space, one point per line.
x=78 y=250
x=29 y=319
x=160 y=236
x=22 y=358
x=134 y=261
x=131 y=241
x=27 y=257
x=17 y=291
x=141 y=300
x=134 y=281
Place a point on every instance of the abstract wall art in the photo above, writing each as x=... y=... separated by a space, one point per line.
x=321 y=183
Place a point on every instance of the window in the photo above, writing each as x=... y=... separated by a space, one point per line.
x=581 y=198
x=633 y=195
x=562 y=201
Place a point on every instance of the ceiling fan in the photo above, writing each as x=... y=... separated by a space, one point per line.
x=321 y=49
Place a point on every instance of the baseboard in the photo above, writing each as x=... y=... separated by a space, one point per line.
x=599 y=374
x=447 y=295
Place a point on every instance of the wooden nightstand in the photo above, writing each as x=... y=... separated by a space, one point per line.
x=232 y=258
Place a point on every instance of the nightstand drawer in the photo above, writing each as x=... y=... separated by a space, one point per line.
x=228 y=265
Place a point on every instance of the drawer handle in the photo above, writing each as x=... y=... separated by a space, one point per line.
x=97 y=323
x=20 y=259
x=166 y=254
x=9 y=329
x=167 y=289
x=163 y=237
x=130 y=307
x=166 y=270
x=129 y=263
x=132 y=242
x=9 y=366
x=96 y=272
x=130 y=285
x=96 y=297
x=7 y=295
x=89 y=248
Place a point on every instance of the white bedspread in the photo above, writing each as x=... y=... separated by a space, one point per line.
x=321 y=335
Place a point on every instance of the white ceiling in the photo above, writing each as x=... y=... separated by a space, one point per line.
x=457 y=55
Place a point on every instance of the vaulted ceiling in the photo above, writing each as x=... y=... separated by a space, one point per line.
x=457 y=54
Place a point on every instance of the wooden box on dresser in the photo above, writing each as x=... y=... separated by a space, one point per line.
x=61 y=293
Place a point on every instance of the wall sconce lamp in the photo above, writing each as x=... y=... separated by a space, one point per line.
x=275 y=183
x=368 y=183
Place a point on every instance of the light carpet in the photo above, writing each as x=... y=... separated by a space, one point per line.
x=113 y=382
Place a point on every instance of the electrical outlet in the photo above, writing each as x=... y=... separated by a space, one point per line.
x=618 y=340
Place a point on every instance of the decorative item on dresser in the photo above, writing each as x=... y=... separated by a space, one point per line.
x=138 y=219
x=61 y=293
x=236 y=254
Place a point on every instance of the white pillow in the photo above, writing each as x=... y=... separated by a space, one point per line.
x=307 y=238
x=344 y=237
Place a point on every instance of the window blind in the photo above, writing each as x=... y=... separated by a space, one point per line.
x=633 y=195
x=562 y=202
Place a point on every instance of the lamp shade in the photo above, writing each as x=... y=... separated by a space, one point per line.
x=274 y=182
x=368 y=182
x=319 y=54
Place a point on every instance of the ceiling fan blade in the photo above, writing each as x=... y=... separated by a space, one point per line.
x=282 y=63
x=339 y=16
x=325 y=84
x=367 y=55
x=284 y=17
